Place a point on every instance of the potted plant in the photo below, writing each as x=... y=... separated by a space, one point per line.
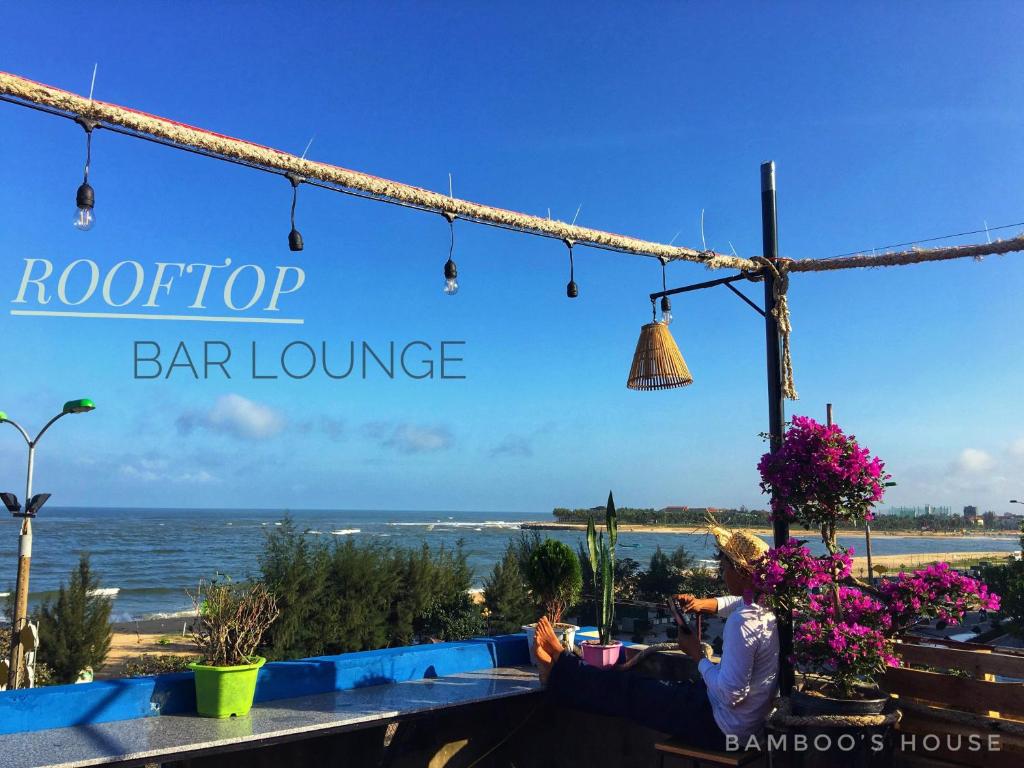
x=844 y=629
x=229 y=624
x=603 y=652
x=555 y=581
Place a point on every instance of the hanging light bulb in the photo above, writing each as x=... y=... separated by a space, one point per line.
x=451 y=272
x=666 y=310
x=294 y=237
x=571 y=290
x=85 y=198
x=666 y=303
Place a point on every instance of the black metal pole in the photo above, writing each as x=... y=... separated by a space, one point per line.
x=776 y=406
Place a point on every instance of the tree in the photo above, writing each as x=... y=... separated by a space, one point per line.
x=627 y=578
x=665 y=574
x=74 y=632
x=358 y=597
x=505 y=594
x=1007 y=581
x=554 y=576
x=297 y=571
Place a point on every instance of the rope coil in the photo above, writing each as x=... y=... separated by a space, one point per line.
x=779 y=270
x=783 y=715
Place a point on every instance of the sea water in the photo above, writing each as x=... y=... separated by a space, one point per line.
x=152 y=556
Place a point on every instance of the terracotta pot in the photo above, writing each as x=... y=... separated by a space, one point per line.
x=601 y=656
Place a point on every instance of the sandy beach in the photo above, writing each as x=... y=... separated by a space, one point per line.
x=131 y=639
x=766 y=532
x=910 y=562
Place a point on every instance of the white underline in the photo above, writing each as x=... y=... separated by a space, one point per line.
x=129 y=316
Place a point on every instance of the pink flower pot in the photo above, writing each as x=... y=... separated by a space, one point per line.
x=601 y=656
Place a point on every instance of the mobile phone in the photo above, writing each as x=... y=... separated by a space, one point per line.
x=677 y=611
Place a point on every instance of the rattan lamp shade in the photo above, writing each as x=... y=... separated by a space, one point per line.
x=657 y=362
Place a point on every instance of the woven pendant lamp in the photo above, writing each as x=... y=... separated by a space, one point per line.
x=657 y=362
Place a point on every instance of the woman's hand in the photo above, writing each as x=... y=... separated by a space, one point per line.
x=690 y=644
x=691 y=604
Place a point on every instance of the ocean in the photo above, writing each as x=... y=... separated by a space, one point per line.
x=151 y=556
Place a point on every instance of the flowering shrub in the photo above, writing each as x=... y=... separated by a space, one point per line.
x=846 y=651
x=819 y=476
x=844 y=629
x=785 y=574
x=936 y=592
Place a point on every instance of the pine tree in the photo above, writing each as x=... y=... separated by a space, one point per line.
x=506 y=597
x=74 y=632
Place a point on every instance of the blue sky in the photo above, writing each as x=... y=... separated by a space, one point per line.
x=888 y=123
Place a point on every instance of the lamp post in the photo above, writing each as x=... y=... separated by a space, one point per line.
x=658 y=364
x=32 y=506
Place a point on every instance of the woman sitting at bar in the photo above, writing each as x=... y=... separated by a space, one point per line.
x=733 y=697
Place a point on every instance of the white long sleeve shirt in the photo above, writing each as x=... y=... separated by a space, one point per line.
x=742 y=685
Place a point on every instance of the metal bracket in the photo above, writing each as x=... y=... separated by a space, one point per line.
x=726 y=281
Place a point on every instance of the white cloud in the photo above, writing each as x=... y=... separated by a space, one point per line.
x=974 y=461
x=985 y=478
x=161 y=470
x=513 y=445
x=1017 y=447
x=236 y=416
x=409 y=438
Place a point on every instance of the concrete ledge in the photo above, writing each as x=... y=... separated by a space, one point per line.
x=297 y=721
x=61 y=706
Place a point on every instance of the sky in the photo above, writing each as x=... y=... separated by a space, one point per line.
x=888 y=123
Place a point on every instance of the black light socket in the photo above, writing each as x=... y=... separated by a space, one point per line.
x=295 y=240
x=572 y=290
x=85 y=197
x=666 y=304
x=450 y=270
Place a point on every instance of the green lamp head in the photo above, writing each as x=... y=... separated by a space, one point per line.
x=3 y=417
x=79 y=406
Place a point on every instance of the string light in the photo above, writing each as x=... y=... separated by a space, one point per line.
x=451 y=272
x=294 y=237
x=571 y=290
x=85 y=198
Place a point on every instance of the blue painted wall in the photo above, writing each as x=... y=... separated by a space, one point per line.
x=59 y=706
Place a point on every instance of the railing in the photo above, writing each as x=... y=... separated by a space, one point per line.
x=950 y=692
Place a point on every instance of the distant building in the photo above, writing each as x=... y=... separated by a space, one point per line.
x=926 y=510
x=903 y=511
x=970 y=514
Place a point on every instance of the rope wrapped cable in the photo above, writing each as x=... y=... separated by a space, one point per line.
x=783 y=715
x=780 y=272
x=913 y=256
x=354 y=182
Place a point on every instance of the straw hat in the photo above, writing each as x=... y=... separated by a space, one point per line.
x=742 y=549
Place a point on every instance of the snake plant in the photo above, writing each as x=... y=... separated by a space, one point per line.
x=602 y=565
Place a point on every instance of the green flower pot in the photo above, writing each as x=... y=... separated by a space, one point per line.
x=226 y=691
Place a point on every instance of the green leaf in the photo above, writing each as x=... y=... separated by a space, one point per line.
x=592 y=544
x=611 y=521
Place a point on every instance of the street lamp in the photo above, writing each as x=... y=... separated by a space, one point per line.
x=32 y=505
